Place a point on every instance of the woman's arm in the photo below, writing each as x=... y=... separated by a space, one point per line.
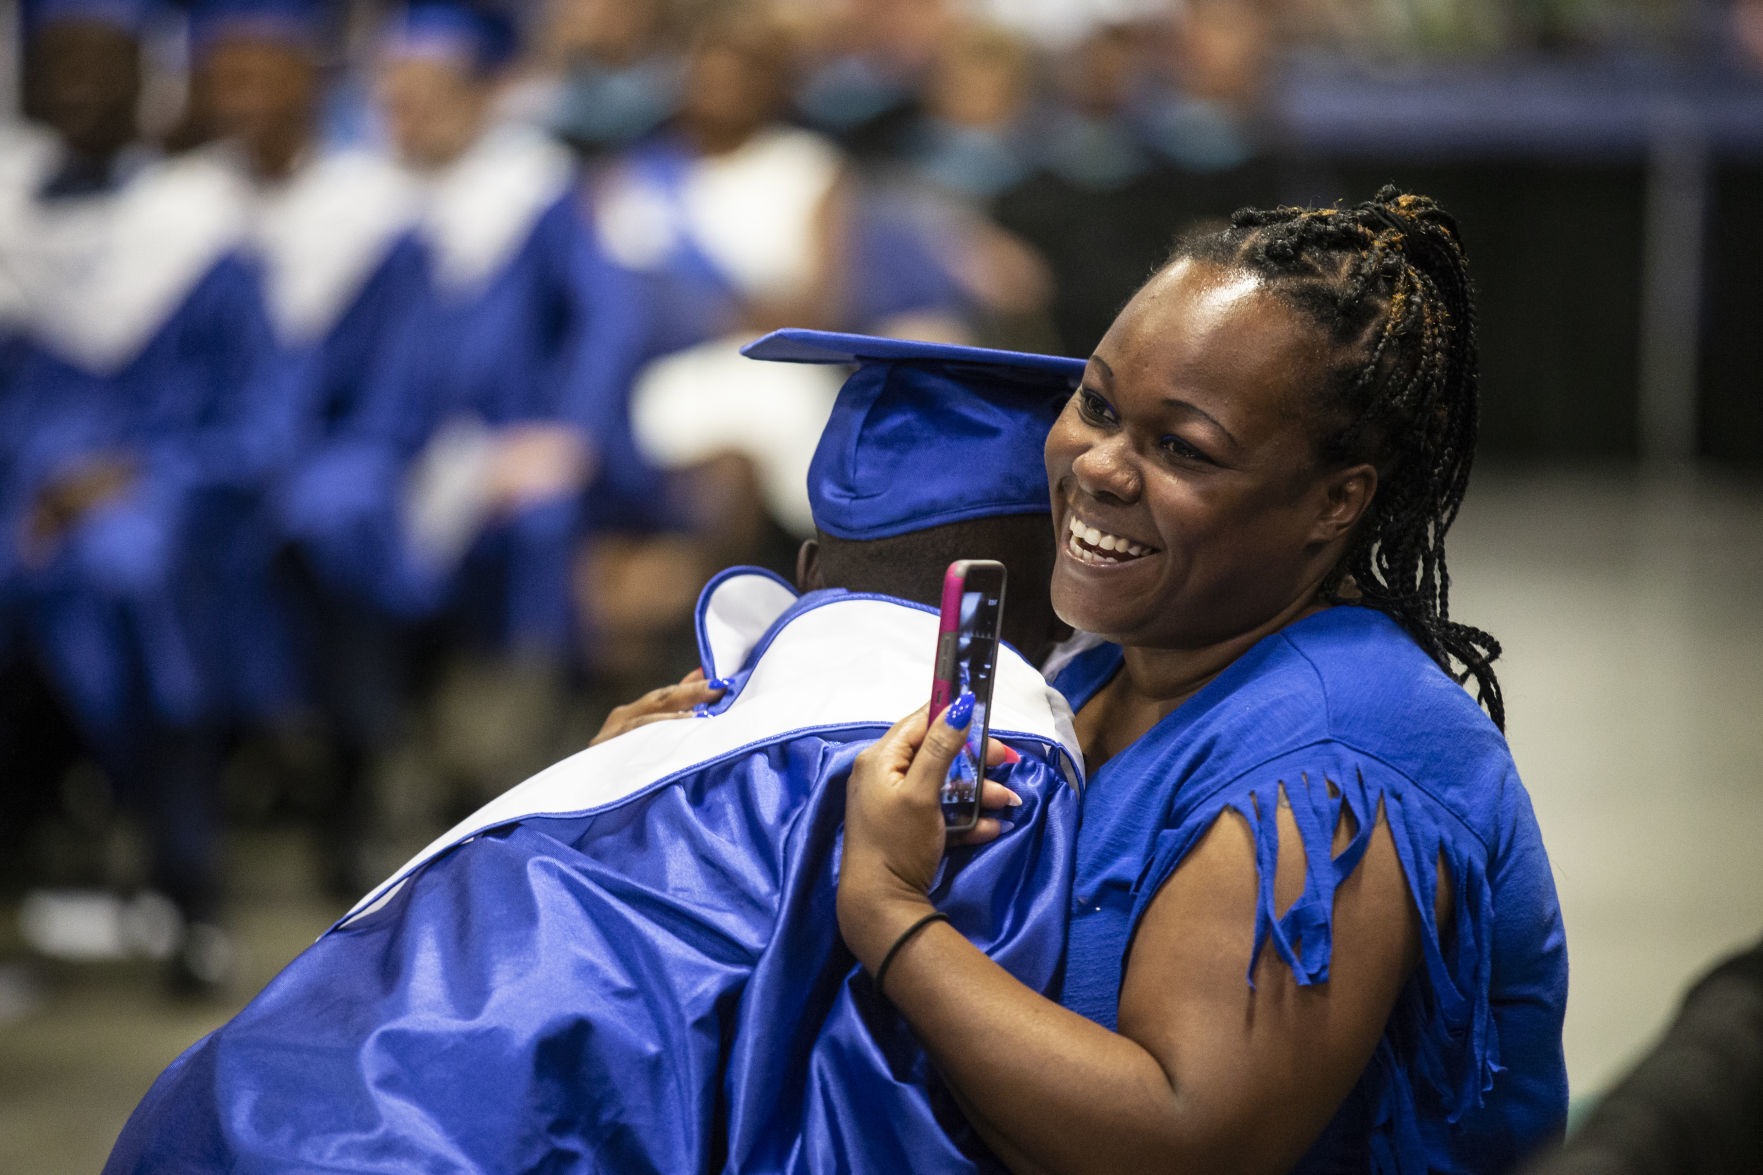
x=1205 y=1073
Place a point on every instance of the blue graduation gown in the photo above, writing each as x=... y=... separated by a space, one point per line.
x=343 y=269
x=898 y=242
x=162 y=351
x=514 y=318
x=631 y=962
x=1470 y=1074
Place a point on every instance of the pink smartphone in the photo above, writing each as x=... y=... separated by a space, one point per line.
x=967 y=659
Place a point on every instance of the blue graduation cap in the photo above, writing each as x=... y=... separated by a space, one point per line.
x=481 y=37
x=924 y=434
x=292 y=22
x=130 y=16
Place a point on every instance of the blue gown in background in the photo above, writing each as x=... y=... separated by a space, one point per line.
x=896 y=244
x=632 y=962
x=1470 y=1075
x=515 y=318
x=149 y=338
x=342 y=266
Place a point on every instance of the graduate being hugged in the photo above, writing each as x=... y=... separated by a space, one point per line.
x=631 y=962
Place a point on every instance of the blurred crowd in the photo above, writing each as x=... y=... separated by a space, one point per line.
x=371 y=408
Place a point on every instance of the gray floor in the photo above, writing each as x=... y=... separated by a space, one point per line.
x=1634 y=681
x=1634 y=684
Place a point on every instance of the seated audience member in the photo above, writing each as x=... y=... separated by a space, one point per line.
x=616 y=71
x=489 y=439
x=631 y=961
x=976 y=137
x=1157 y=129
x=331 y=230
x=143 y=417
x=734 y=223
x=871 y=62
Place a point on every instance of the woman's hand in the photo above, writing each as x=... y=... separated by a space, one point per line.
x=660 y=705
x=894 y=831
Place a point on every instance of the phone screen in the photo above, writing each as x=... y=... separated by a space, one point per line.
x=973 y=609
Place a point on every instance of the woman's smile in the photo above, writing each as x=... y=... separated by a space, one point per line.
x=1095 y=546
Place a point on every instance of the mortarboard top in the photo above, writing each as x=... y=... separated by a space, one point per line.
x=474 y=35
x=924 y=434
x=288 y=22
x=130 y=16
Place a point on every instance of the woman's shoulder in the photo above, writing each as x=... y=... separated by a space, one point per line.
x=1345 y=691
x=1377 y=690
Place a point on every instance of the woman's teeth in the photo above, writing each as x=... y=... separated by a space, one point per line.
x=1090 y=545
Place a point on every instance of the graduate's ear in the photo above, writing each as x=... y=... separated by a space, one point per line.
x=1345 y=495
x=808 y=576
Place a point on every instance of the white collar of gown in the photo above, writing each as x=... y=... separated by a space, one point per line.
x=850 y=661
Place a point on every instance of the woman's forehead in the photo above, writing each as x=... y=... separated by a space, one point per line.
x=1217 y=339
x=1194 y=317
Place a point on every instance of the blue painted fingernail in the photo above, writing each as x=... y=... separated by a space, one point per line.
x=960 y=711
x=701 y=710
x=718 y=683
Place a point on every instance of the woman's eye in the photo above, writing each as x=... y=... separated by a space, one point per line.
x=1094 y=407
x=1176 y=447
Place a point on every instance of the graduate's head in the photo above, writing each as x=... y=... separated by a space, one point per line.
x=258 y=78
x=911 y=566
x=1283 y=416
x=440 y=64
x=932 y=454
x=83 y=72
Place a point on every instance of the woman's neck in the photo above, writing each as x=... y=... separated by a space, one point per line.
x=1154 y=682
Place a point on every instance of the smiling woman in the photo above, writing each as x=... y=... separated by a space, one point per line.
x=1313 y=926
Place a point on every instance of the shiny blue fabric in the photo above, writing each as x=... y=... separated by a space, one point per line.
x=657 y=985
x=1470 y=1075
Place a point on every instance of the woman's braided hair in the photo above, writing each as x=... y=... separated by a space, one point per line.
x=1388 y=281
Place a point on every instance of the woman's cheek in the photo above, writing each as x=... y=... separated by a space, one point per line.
x=1062 y=447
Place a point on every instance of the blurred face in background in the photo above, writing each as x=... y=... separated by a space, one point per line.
x=737 y=81
x=611 y=32
x=435 y=108
x=905 y=35
x=84 y=83
x=1099 y=78
x=263 y=94
x=982 y=79
x=1221 y=49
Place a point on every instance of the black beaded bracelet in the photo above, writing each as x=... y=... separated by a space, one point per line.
x=881 y=972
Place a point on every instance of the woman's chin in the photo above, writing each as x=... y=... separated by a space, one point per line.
x=1098 y=600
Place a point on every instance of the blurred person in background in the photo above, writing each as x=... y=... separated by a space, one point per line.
x=142 y=419
x=494 y=412
x=871 y=61
x=332 y=230
x=973 y=139
x=82 y=85
x=737 y=213
x=610 y=70
x=1693 y=1105
x=1157 y=128
x=736 y=223
x=968 y=142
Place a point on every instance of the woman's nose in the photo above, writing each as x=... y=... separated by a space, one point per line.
x=1107 y=469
